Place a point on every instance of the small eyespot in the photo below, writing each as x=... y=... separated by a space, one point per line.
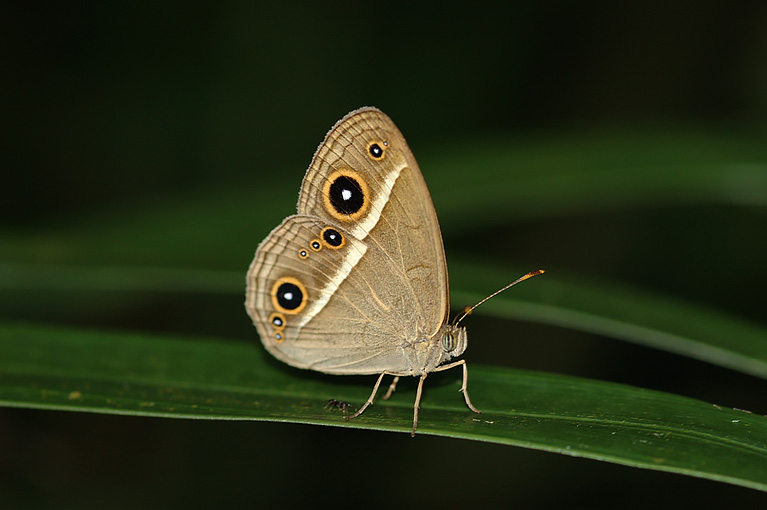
x=278 y=336
x=332 y=237
x=376 y=151
x=303 y=254
x=315 y=244
x=277 y=320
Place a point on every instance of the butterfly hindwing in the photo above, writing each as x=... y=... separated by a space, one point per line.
x=317 y=301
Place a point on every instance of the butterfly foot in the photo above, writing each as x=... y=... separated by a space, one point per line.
x=468 y=401
x=369 y=400
x=391 y=389
x=359 y=412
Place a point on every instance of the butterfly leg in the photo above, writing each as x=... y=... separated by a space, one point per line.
x=465 y=380
x=417 y=405
x=370 y=399
x=392 y=387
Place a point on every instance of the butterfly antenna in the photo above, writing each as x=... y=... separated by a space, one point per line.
x=467 y=311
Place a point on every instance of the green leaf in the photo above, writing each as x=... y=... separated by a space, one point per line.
x=613 y=310
x=124 y=261
x=52 y=368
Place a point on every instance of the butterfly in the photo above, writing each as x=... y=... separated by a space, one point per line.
x=356 y=282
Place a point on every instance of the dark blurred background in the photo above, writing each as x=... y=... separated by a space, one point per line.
x=102 y=101
x=110 y=107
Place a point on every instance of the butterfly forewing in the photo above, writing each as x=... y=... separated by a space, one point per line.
x=366 y=153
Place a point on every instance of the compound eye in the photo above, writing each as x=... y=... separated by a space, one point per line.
x=448 y=342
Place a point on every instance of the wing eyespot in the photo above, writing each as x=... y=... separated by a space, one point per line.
x=346 y=195
x=289 y=295
x=332 y=238
x=377 y=150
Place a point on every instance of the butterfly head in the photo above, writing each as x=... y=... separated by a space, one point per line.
x=452 y=341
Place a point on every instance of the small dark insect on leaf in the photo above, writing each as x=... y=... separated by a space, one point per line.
x=338 y=404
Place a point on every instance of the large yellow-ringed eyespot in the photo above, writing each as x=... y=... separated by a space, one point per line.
x=332 y=238
x=346 y=195
x=289 y=295
x=377 y=150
